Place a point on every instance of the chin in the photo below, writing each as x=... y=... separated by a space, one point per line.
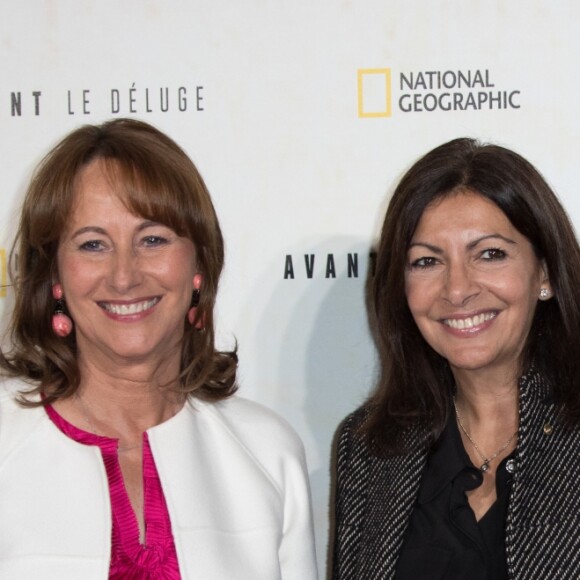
x=137 y=352
x=470 y=362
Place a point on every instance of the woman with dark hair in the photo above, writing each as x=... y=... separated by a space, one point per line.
x=464 y=462
x=123 y=450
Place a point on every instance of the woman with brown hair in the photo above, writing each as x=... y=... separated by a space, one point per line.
x=123 y=450
x=464 y=461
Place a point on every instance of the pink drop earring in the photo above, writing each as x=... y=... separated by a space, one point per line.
x=61 y=324
x=195 y=303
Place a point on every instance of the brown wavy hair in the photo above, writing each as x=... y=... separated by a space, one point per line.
x=415 y=385
x=156 y=180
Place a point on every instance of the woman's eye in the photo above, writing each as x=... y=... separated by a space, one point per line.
x=92 y=246
x=154 y=241
x=423 y=263
x=493 y=254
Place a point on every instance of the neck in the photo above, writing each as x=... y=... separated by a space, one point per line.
x=159 y=366
x=485 y=398
x=121 y=403
x=115 y=408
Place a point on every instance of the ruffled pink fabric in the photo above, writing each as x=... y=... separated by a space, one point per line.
x=131 y=560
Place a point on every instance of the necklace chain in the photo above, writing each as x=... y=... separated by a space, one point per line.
x=486 y=460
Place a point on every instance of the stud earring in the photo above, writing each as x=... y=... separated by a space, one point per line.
x=544 y=294
x=61 y=324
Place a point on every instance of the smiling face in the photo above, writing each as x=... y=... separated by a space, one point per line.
x=472 y=284
x=127 y=281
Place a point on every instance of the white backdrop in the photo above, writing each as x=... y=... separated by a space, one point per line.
x=301 y=116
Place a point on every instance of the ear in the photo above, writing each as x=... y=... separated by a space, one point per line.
x=546 y=291
x=197 y=281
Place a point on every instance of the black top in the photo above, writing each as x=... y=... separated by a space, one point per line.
x=444 y=541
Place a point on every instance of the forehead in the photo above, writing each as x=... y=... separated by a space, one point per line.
x=107 y=181
x=462 y=211
x=98 y=197
x=97 y=176
x=157 y=196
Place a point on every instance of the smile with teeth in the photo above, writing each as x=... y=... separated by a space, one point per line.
x=129 y=309
x=466 y=323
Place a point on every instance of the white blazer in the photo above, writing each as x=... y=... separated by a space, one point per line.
x=234 y=478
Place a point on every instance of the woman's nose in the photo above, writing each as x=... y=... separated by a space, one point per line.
x=125 y=270
x=460 y=285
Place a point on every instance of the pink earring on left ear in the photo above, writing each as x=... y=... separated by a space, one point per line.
x=61 y=324
x=195 y=302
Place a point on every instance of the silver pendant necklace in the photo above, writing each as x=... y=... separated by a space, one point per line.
x=486 y=460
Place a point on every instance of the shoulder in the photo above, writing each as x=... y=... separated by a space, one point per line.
x=350 y=430
x=355 y=448
x=10 y=391
x=258 y=428
x=353 y=422
x=252 y=415
x=16 y=421
x=248 y=434
x=11 y=388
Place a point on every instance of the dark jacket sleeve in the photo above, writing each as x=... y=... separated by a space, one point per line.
x=349 y=499
x=373 y=503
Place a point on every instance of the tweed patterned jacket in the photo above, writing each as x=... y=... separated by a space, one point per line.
x=375 y=497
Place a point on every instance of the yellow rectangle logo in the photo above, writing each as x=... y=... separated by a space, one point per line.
x=374 y=92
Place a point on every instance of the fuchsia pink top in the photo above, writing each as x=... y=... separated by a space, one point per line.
x=131 y=560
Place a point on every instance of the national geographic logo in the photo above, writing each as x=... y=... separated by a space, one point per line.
x=3 y=273
x=374 y=92
x=431 y=90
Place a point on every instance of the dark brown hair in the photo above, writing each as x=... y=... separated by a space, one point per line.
x=415 y=386
x=156 y=180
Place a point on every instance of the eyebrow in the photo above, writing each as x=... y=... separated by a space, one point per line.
x=470 y=245
x=97 y=230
